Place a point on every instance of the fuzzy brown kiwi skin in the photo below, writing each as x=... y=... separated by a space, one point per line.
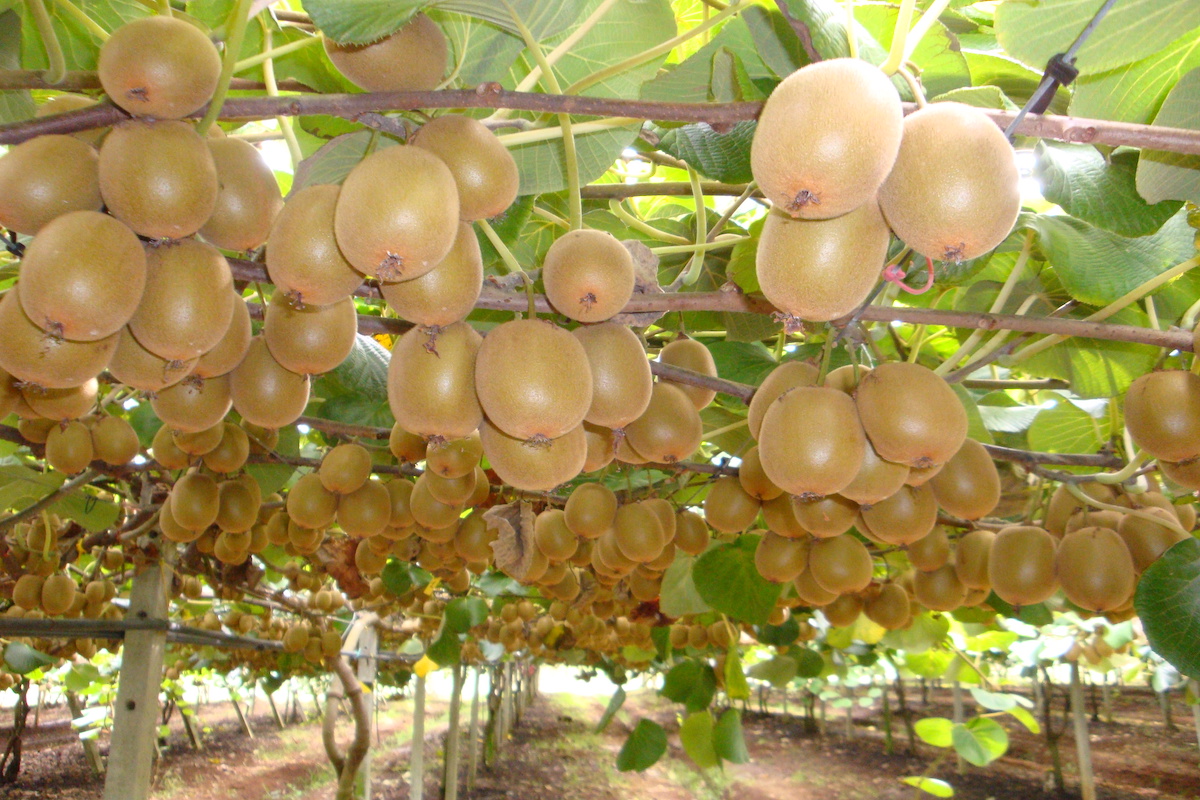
x=621 y=379
x=411 y=59
x=484 y=169
x=431 y=382
x=784 y=377
x=910 y=414
x=159 y=67
x=303 y=258
x=811 y=442
x=589 y=275
x=248 y=197
x=1162 y=413
x=311 y=340
x=445 y=294
x=45 y=177
x=31 y=355
x=264 y=392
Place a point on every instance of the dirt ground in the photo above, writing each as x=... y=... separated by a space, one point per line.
x=554 y=753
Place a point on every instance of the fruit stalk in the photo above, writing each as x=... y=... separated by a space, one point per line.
x=57 y=70
x=238 y=20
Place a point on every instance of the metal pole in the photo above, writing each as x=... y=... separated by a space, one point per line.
x=135 y=725
x=1083 y=746
x=416 y=771
x=473 y=736
x=368 y=645
x=450 y=776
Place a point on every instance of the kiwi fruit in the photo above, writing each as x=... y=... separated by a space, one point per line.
x=780 y=559
x=968 y=486
x=754 y=481
x=406 y=446
x=728 y=508
x=114 y=441
x=65 y=102
x=532 y=379
x=310 y=340
x=1186 y=474
x=309 y=504
x=846 y=378
x=58 y=594
x=889 y=608
x=876 y=480
x=621 y=377
x=69 y=448
x=903 y=518
x=456 y=458
x=193 y=404
x=27 y=592
x=199 y=443
x=166 y=452
x=590 y=510
x=61 y=404
x=136 y=367
x=158 y=178
x=30 y=355
x=238 y=507
x=1021 y=565
x=1148 y=540
x=972 y=558
x=46 y=177
x=1162 y=414
x=365 y=511
x=820 y=166
x=248 y=197
x=397 y=214
x=588 y=275
x=840 y=564
x=412 y=59
x=303 y=258
x=445 y=294
x=931 y=551
x=473 y=539
x=159 y=66
x=820 y=270
x=844 y=610
x=637 y=533
x=811 y=442
x=229 y=352
x=451 y=491
x=431 y=381
x=534 y=466
x=195 y=501
x=786 y=376
x=780 y=517
x=1095 y=569
x=484 y=170
x=345 y=468
x=823 y=517
x=953 y=193
x=188 y=302
x=600 y=447
x=264 y=392
x=669 y=430
x=556 y=541
x=939 y=589
x=911 y=415
x=231 y=451
x=691 y=355
x=691 y=533
x=1063 y=505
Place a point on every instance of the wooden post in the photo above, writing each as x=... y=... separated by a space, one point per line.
x=956 y=693
x=135 y=725
x=89 y=744
x=850 y=712
x=1083 y=746
x=450 y=772
x=1106 y=698
x=416 y=770
x=241 y=715
x=473 y=736
x=190 y=728
x=274 y=710
x=368 y=645
x=1196 y=708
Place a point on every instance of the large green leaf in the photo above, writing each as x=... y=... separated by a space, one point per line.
x=690 y=682
x=1168 y=603
x=334 y=160
x=942 y=65
x=678 y=596
x=980 y=741
x=728 y=739
x=1067 y=428
x=1035 y=30
x=935 y=731
x=1134 y=93
x=721 y=156
x=23 y=659
x=736 y=685
x=696 y=735
x=691 y=80
x=356 y=391
x=464 y=613
x=1016 y=80
x=777 y=671
x=728 y=580
x=809 y=663
x=1098 y=190
x=1097 y=266
x=79 y=45
x=826 y=21
x=365 y=21
x=1174 y=176
x=1097 y=367
x=646 y=744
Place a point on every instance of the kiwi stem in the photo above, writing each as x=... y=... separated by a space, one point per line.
x=57 y=70
x=826 y=352
x=780 y=341
x=284 y=123
x=530 y=135
x=1127 y=299
x=551 y=216
x=618 y=208
x=708 y=435
x=93 y=27
x=535 y=74
x=164 y=8
x=511 y=262
x=924 y=24
x=899 y=37
x=697 y=263
x=236 y=24
x=733 y=209
x=1081 y=496
x=914 y=86
x=851 y=35
x=1010 y=283
x=273 y=52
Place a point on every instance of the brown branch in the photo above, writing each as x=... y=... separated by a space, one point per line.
x=490 y=95
x=620 y=191
x=1029 y=386
x=669 y=372
x=87 y=80
x=343 y=428
x=1063 y=459
x=800 y=27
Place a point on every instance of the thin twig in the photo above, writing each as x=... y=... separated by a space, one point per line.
x=83 y=478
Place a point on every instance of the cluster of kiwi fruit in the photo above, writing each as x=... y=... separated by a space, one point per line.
x=843 y=168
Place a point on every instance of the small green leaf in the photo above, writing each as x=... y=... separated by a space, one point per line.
x=23 y=659
x=980 y=741
x=809 y=663
x=728 y=738
x=696 y=734
x=777 y=671
x=1023 y=716
x=446 y=649
x=614 y=705
x=935 y=731
x=728 y=580
x=677 y=594
x=779 y=635
x=736 y=687
x=690 y=682
x=334 y=160
x=1168 y=602
x=931 y=786
x=646 y=744
x=464 y=613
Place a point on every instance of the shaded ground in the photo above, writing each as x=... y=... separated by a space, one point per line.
x=554 y=754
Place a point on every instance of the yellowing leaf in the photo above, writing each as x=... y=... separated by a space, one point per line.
x=425 y=666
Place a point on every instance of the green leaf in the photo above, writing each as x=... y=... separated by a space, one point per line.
x=334 y=160
x=1135 y=92
x=614 y=705
x=743 y=362
x=365 y=21
x=727 y=579
x=81 y=676
x=397 y=578
x=23 y=659
x=1095 y=367
x=645 y=746
x=720 y=156
x=1168 y=604
x=826 y=21
x=464 y=613
x=1174 y=176
x=933 y=786
x=809 y=663
x=691 y=80
x=692 y=683
x=355 y=391
x=780 y=635
x=778 y=671
x=1023 y=716
x=1017 y=81
x=925 y=632
x=696 y=734
x=1067 y=428
x=1102 y=192
x=736 y=687
x=15 y=105
x=998 y=701
x=88 y=510
x=1097 y=266
x=935 y=731
x=446 y=649
x=677 y=594
x=273 y=477
x=975 y=427
x=943 y=67
x=930 y=664
x=980 y=741
x=79 y=45
x=1132 y=30
x=728 y=739
x=774 y=41
x=978 y=96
